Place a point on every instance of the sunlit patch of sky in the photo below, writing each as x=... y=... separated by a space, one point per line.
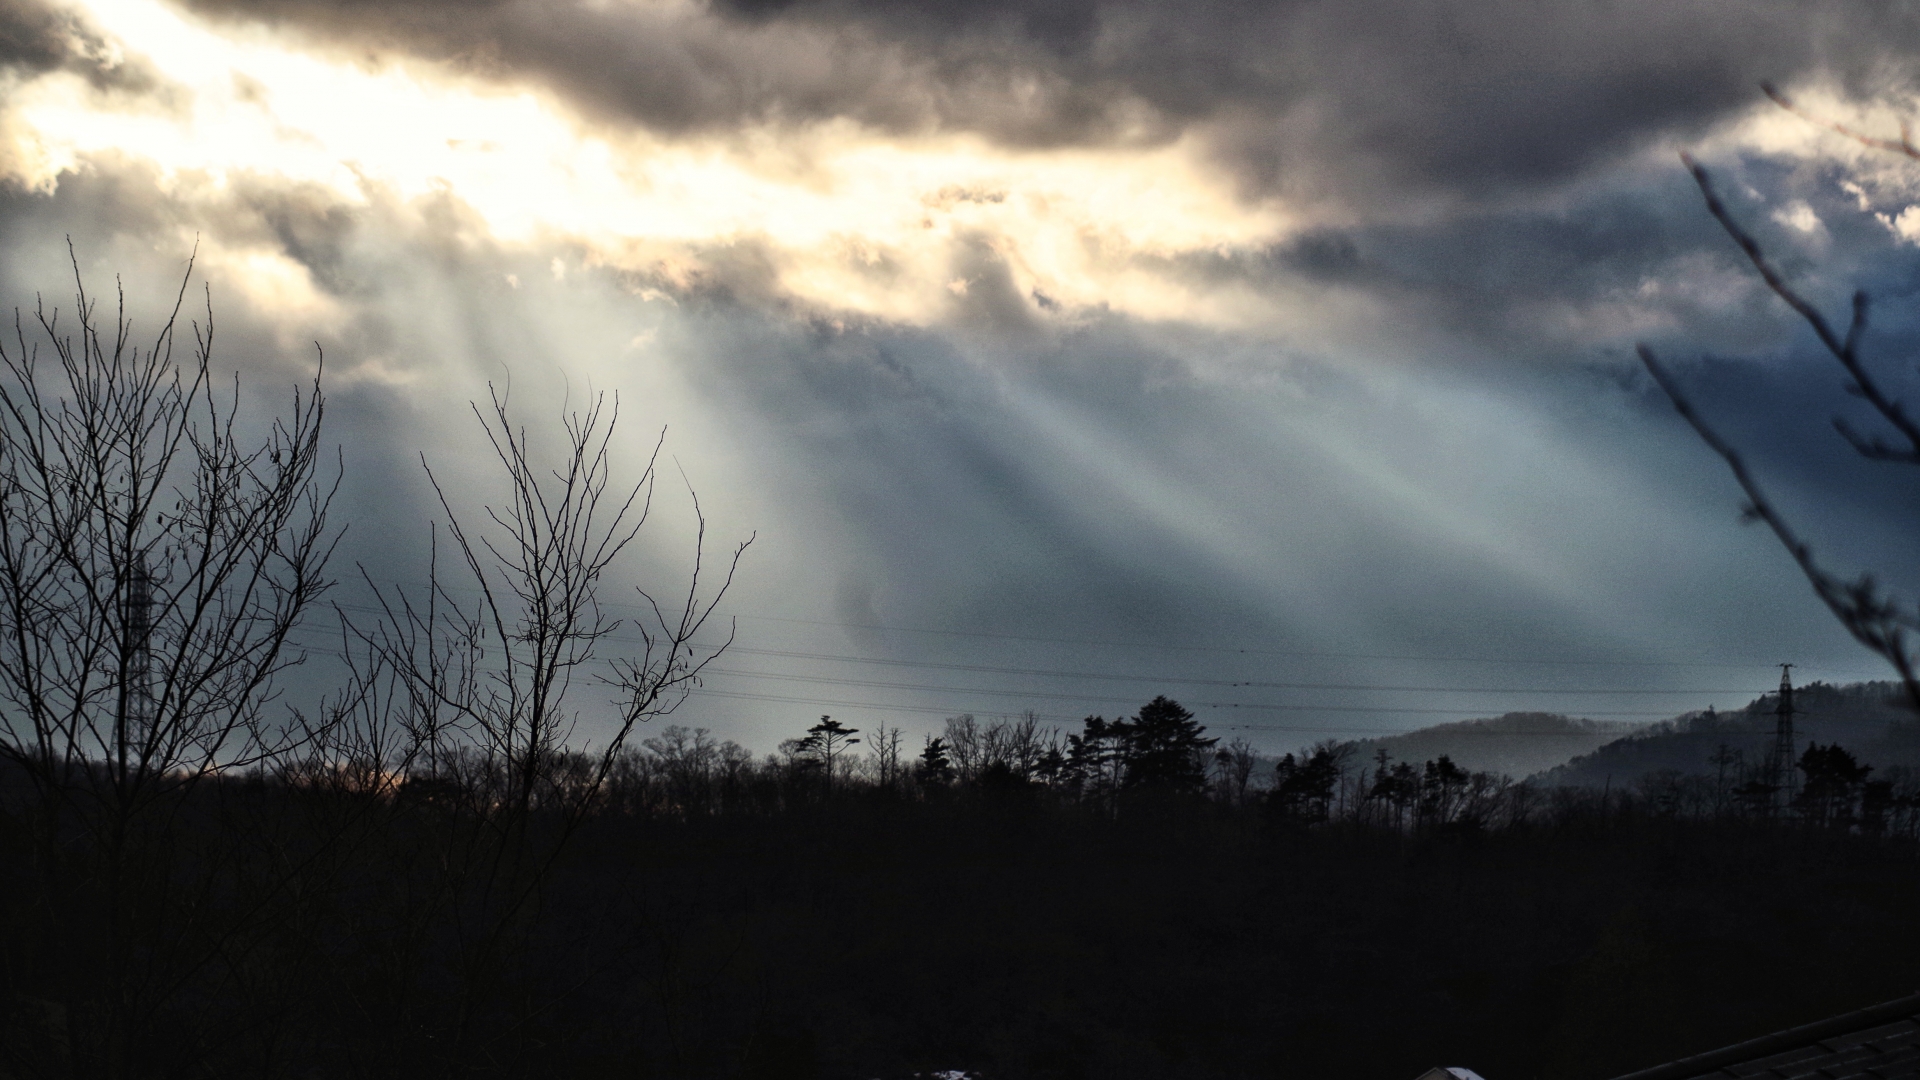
x=855 y=221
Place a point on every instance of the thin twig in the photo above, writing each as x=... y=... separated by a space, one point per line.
x=1902 y=145
x=1844 y=349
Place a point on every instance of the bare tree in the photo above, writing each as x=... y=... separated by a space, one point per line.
x=884 y=748
x=828 y=742
x=1024 y=743
x=966 y=745
x=493 y=680
x=1234 y=765
x=154 y=560
x=1875 y=619
x=687 y=759
x=152 y=563
x=498 y=672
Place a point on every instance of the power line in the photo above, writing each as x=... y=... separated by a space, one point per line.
x=1056 y=673
x=1087 y=697
x=1255 y=683
x=707 y=691
x=1163 y=680
x=1064 y=718
x=1255 y=651
x=1227 y=705
x=1108 y=643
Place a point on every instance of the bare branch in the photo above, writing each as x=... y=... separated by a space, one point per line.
x=1902 y=145
x=1873 y=620
x=1844 y=350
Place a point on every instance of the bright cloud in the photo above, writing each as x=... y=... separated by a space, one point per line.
x=853 y=221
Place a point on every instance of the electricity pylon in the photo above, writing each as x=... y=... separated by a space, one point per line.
x=1780 y=770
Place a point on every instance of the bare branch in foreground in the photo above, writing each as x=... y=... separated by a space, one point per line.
x=1874 y=620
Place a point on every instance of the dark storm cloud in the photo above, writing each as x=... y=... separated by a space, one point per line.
x=37 y=38
x=678 y=68
x=307 y=223
x=1362 y=101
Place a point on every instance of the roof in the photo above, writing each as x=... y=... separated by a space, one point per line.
x=1881 y=1042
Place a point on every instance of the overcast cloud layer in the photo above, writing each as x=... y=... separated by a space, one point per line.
x=1141 y=349
x=1363 y=104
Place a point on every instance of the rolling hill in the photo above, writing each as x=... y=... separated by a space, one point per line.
x=1517 y=744
x=1869 y=719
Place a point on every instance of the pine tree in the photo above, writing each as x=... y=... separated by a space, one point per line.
x=827 y=740
x=935 y=767
x=1303 y=790
x=1833 y=781
x=1164 y=748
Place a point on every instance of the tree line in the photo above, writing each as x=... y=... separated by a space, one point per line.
x=1162 y=755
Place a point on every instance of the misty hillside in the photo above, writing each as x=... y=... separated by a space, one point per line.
x=1869 y=719
x=1517 y=744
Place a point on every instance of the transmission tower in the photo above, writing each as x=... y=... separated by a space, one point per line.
x=1780 y=770
x=139 y=706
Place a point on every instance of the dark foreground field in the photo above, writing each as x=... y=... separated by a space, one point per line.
x=870 y=937
x=1023 y=945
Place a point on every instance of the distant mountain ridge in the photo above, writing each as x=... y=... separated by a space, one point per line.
x=1518 y=744
x=1870 y=719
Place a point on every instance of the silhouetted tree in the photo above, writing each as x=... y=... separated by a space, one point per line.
x=1877 y=800
x=1833 y=779
x=154 y=560
x=1754 y=798
x=934 y=766
x=884 y=746
x=1234 y=764
x=1096 y=760
x=1398 y=786
x=966 y=746
x=1164 y=749
x=826 y=741
x=1303 y=790
x=1724 y=758
x=492 y=675
x=1052 y=769
x=686 y=761
x=1441 y=786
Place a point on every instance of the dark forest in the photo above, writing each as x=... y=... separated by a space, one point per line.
x=1106 y=912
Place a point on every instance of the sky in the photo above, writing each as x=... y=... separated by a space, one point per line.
x=1274 y=356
